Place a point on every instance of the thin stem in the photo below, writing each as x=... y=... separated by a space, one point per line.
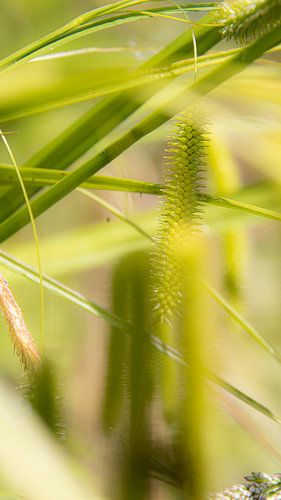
x=113 y=210
x=35 y=235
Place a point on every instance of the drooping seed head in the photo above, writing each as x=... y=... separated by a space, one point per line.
x=23 y=343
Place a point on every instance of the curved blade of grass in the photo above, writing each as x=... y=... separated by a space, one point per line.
x=58 y=288
x=34 y=230
x=109 y=113
x=54 y=286
x=233 y=313
x=139 y=79
x=155 y=119
x=48 y=177
x=102 y=243
x=84 y=25
x=124 y=18
x=47 y=41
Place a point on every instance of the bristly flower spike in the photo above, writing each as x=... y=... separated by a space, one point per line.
x=247 y=20
x=180 y=211
x=22 y=340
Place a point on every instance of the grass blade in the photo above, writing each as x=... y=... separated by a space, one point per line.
x=34 y=230
x=46 y=42
x=245 y=207
x=245 y=398
x=117 y=213
x=137 y=80
x=112 y=149
x=54 y=286
x=246 y=326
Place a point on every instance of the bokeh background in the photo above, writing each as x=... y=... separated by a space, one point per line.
x=80 y=242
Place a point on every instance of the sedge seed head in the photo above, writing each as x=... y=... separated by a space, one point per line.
x=247 y=20
x=180 y=210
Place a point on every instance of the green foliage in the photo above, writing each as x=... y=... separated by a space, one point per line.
x=151 y=424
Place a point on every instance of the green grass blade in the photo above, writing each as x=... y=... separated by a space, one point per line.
x=48 y=177
x=110 y=112
x=122 y=18
x=245 y=207
x=45 y=42
x=245 y=398
x=139 y=79
x=58 y=288
x=84 y=24
x=34 y=231
x=116 y=146
x=246 y=326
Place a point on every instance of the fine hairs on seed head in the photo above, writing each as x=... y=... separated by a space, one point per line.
x=180 y=210
x=247 y=20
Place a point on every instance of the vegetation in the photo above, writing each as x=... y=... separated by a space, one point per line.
x=144 y=319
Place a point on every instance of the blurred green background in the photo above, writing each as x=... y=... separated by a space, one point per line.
x=80 y=241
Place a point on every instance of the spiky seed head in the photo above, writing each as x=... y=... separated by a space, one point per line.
x=180 y=210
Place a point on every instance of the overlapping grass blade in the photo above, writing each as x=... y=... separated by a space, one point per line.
x=114 y=147
x=245 y=325
x=110 y=112
x=47 y=41
x=48 y=177
x=245 y=398
x=137 y=80
x=54 y=286
x=86 y=24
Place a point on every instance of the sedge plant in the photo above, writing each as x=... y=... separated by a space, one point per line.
x=161 y=381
